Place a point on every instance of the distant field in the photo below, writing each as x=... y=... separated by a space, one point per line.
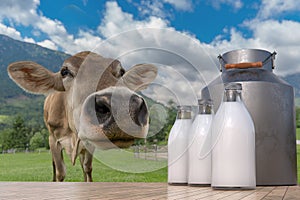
x=3 y=118
x=38 y=167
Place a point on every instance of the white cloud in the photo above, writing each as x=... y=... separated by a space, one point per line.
x=154 y=8
x=21 y=12
x=9 y=31
x=236 y=4
x=271 y=8
x=116 y=21
x=185 y=5
x=29 y=40
x=158 y=8
x=48 y=44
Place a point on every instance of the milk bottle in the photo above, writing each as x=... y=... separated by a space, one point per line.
x=178 y=147
x=199 y=172
x=233 y=140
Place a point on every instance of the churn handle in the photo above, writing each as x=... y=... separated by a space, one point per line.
x=244 y=65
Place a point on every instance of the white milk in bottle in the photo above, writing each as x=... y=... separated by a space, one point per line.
x=199 y=172
x=178 y=147
x=233 y=140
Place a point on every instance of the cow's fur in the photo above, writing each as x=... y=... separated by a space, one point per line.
x=71 y=94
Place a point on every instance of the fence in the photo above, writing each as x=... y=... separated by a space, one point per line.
x=153 y=152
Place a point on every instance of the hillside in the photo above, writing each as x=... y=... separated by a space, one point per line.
x=294 y=80
x=13 y=100
x=12 y=50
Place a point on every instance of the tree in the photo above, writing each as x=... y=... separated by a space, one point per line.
x=20 y=134
x=162 y=119
x=16 y=137
x=298 y=117
x=40 y=139
x=37 y=141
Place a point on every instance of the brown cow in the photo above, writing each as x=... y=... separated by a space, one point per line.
x=90 y=103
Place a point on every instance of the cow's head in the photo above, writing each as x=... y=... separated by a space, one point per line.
x=100 y=100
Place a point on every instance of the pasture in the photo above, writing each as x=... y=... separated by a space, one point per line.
x=38 y=167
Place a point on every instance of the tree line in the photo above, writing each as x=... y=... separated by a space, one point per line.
x=29 y=133
x=30 y=136
x=21 y=136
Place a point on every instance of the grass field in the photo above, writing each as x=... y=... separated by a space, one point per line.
x=38 y=167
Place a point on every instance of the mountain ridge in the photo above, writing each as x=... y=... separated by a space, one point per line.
x=12 y=51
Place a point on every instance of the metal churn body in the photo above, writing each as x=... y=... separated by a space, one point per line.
x=270 y=101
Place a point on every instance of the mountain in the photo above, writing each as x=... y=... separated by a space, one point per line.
x=13 y=50
x=294 y=80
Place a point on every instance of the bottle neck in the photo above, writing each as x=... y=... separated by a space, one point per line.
x=232 y=96
x=182 y=114
x=205 y=109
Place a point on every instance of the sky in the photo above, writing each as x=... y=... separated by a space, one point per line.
x=182 y=37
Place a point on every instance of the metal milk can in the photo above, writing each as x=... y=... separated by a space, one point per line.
x=270 y=102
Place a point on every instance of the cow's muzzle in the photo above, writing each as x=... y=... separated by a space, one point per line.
x=115 y=115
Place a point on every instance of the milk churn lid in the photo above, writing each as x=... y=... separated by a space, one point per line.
x=233 y=86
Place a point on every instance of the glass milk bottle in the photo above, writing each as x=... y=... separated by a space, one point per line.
x=199 y=172
x=178 y=147
x=233 y=140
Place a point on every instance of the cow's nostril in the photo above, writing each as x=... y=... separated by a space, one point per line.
x=143 y=114
x=138 y=110
x=102 y=109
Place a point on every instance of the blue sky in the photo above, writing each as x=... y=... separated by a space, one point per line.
x=190 y=32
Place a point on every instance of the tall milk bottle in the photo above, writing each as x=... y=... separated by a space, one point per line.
x=233 y=140
x=199 y=172
x=178 y=147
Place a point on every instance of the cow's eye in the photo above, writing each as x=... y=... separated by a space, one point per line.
x=66 y=72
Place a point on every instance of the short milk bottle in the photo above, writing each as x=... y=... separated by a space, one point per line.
x=178 y=147
x=233 y=140
x=199 y=172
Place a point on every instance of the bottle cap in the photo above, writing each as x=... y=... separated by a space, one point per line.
x=184 y=112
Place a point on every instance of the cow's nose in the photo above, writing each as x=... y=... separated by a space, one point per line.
x=138 y=110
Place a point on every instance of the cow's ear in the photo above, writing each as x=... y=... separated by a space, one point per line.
x=34 y=78
x=139 y=76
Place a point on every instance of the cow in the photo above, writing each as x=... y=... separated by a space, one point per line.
x=90 y=103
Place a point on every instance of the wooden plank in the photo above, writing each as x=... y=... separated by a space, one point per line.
x=259 y=194
x=141 y=191
x=277 y=193
x=292 y=193
x=242 y=194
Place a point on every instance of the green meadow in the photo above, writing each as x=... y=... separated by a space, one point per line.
x=38 y=167
x=107 y=167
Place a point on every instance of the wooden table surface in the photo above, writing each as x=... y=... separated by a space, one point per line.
x=111 y=190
